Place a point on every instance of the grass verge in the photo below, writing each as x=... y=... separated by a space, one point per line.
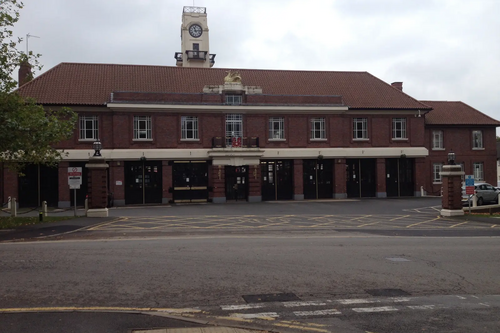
x=9 y=222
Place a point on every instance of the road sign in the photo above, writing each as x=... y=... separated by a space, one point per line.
x=469 y=184
x=74 y=177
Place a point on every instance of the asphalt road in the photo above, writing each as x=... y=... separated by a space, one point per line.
x=209 y=272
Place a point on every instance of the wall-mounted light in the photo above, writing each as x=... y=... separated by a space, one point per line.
x=451 y=157
x=97 y=145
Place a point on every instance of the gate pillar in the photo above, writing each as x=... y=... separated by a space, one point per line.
x=452 y=190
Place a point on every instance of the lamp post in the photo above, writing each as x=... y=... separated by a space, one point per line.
x=452 y=190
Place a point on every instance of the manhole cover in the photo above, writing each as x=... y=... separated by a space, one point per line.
x=284 y=297
x=397 y=259
x=387 y=292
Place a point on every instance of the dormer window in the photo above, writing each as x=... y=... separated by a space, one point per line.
x=234 y=99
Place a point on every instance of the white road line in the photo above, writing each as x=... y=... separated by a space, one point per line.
x=261 y=315
x=297 y=304
x=421 y=307
x=241 y=307
x=485 y=304
x=357 y=301
x=461 y=297
x=317 y=313
x=399 y=299
x=376 y=309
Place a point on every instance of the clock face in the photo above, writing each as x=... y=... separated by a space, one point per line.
x=195 y=30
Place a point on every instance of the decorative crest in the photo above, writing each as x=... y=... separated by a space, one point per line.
x=233 y=77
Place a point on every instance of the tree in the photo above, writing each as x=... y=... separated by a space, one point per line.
x=28 y=132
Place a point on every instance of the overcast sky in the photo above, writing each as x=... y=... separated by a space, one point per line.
x=440 y=49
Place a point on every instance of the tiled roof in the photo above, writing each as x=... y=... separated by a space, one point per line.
x=92 y=84
x=456 y=113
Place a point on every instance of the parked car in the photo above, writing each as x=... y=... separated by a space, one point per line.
x=485 y=194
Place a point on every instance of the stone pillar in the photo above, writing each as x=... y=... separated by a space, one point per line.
x=219 y=181
x=452 y=190
x=298 y=179
x=64 y=191
x=381 y=179
x=254 y=183
x=167 y=182
x=117 y=182
x=340 y=191
x=97 y=187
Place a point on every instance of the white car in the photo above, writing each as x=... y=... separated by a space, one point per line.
x=485 y=194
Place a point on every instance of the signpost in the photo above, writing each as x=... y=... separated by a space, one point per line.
x=469 y=187
x=74 y=181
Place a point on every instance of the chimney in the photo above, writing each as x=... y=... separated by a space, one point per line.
x=25 y=74
x=397 y=85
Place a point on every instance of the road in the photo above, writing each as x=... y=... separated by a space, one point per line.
x=275 y=276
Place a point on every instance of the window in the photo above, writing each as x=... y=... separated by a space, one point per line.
x=479 y=171
x=234 y=128
x=189 y=128
x=89 y=128
x=477 y=140
x=437 y=140
x=360 y=128
x=399 y=128
x=233 y=99
x=142 y=128
x=276 y=128
x=318 y=129
x=437 y=168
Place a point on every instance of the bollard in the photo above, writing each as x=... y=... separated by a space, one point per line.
x=8 y=203
x=40 y=216
x=44 y=208
x=86 y=205
x=422 y=192
x=13 y=208
x=441 y=191
x=474 y=200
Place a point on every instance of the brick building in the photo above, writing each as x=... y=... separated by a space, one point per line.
x=195 y=133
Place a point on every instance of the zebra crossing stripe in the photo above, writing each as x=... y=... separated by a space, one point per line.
x=317 y=313
x=357 y=301
x=421 y=307
x=297 y=304
x=241 y=307
x=262 y=315
x=376 y=309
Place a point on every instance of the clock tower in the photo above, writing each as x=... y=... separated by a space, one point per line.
x=194 y=39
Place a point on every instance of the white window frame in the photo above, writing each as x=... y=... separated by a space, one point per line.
x=477 y=139
x=478 y=169
x=437 y=140
x=318 y=128
x=360 y=128
x=189 y=128
x=233 y=99
x=437 y=168
x=399 y=129
x=142 y=128
x=276 y=128
x=93 y=121
x=234 y=128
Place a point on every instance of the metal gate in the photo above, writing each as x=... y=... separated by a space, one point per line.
x=277 y=180
x=318 y=179
x=190 y=181
x=143 y=182
x=361 y=177
x=400 y=177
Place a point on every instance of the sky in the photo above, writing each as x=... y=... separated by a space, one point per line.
x=439 y=49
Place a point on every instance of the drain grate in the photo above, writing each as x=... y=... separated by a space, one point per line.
x=387 y=292
x=283 y=297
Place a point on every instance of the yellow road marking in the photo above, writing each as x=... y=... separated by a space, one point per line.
x=107 y=223
x=363 y=225
x=400 y=217
x=301 y=327
x=95 y=308
x=414 y=224
x=453 y=226
x=494 y=225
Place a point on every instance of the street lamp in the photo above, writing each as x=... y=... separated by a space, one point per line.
x=451 y=157
x=97 y=145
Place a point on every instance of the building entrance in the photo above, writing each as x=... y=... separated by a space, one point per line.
x=361 y=177
x=318 y=179
x=190 y=181
x=143 y=182
x=39 y=183
x=400 y=177
x=237 y=183
x=277 y=180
